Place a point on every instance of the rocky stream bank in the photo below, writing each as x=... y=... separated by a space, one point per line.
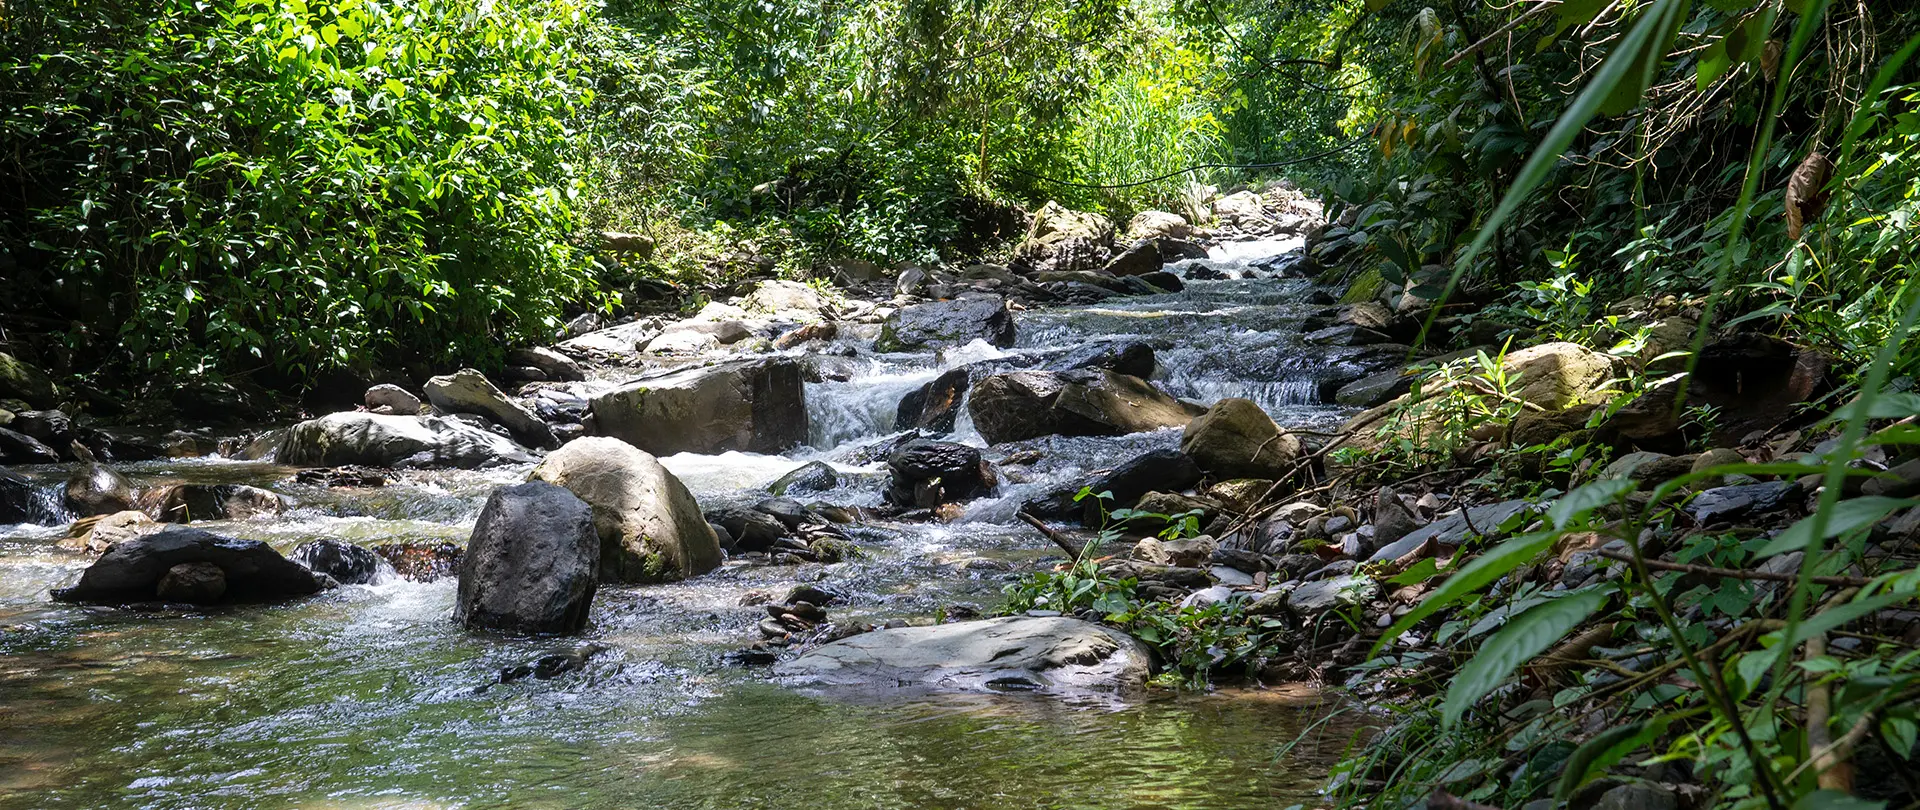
x=1156 y=449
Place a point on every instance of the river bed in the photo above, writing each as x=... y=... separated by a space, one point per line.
x=369 y=697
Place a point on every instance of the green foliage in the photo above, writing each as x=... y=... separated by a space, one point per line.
x=242 y=184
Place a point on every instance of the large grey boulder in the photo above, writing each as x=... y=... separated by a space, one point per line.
x=1090 y=402
x=96 y=489
x=131 y=571
x=469 y=391
x=379 y=440
x=970 y=317
x=650 y=526
x=1061 y=239
x=1236 y=439
x=756 y=406
x=1017 y=653
x=532 y=563
x=185 y=503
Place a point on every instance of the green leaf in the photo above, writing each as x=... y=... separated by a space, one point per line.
x=1887 y=405
x=1846 y=516
x=1421 y=571
x=1841 y=615
x=1658 y=23
x=1579 y=502
x=1606 y=749
x=1376 y=5
x=1714 y=63
x=1834 y=799
x=1646 y=56
x=1484 y=569
x=1517 y=643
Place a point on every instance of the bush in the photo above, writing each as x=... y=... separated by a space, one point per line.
x=234 y=185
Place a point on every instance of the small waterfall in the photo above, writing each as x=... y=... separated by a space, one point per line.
x=861 y=408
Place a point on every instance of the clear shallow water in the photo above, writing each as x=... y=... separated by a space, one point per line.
x=368 y=697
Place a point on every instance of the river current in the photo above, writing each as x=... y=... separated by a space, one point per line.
x=369 y=697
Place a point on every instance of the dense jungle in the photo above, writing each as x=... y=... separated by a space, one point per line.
x=1384 y=404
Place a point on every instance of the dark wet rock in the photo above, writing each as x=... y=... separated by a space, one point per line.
x=554 y=664
x=1452 y=530
x=130 y=572
x=1297 y=566
x=788 y=511
x=19 y=448
x=554 y=365
x=96 y=489
x=1899 y=481
x=1181 y=577
x=1251 y=562
x=347 y=563
x=421 y=562
x=650 y=526
x=1392 y=519
x=1017 y=653
x=1346 y=335
x=22 y=381
x=185 y=503
x=51 y=427
x=970 y=317
x=751 y=529
x=195 y=583
x=1374 y=389
x=1236 y=439
x=1164 y=508
x=376 y=440
x=935 y=406
x=1092 y=402
x=469 y=391
x=1153 y=470
x=1140 y=258
x=17 y=498
x=392 y=399
x=755 y=406
x=532 y=564
x=929 y=473
x=814 y=594
x=1736 y=502
x=1129 y=357
x=1162 y=281
x=812 y=477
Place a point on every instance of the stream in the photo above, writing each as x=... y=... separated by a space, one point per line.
x=369 y=697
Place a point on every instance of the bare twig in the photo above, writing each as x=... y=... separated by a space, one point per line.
x=1514 y=23
x=1073 y=549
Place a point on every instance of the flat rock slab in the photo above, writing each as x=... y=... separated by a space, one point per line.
x=1453 y=529
x=1055 y=655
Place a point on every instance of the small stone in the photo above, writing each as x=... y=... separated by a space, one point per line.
x=195 y=583
x=1638 y=796
x=393 y=399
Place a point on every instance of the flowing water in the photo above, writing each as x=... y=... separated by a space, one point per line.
x=369 y=697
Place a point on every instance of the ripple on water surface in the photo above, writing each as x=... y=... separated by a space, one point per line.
x=368 y=697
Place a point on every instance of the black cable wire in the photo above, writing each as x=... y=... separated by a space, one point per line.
x=1308 y=159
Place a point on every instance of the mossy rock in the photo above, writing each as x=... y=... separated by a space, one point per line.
x=1364 y=287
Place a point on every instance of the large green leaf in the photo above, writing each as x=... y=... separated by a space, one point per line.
x=1574 y=504
x=1605 y=749
x=1517 y=643
x=1484 y=569
x=1647 y=55
x=1845 y=517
